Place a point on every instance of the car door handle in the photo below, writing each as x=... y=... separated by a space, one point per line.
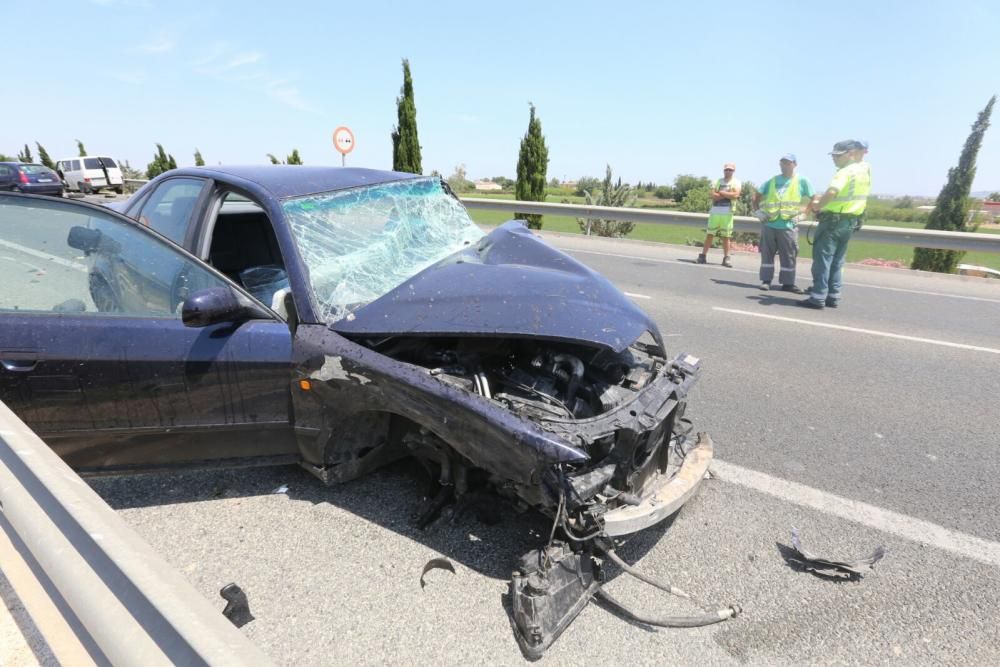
x=19 y=365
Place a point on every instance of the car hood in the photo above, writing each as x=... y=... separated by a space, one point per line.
x=511 y=283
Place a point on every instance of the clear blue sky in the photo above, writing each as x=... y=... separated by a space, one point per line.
x=653 y=89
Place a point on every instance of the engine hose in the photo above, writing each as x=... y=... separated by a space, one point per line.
x=616 y=559
x=672 y=621
x=574 y=380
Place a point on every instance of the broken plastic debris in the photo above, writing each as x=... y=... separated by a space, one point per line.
x=826 y=567
x=436 y=564
x=237 y=606
x=281 y=489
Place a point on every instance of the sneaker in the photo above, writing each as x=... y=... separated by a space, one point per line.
x=765 y=286
x=701 y=258
x=830 y=303
x=794 y=289
x=809 y=303
x=727 y=262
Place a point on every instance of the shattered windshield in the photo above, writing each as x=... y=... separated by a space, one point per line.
x=361 y=244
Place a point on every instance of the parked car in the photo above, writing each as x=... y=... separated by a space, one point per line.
x=28 y=177
x=344 y=319
x=92 y=174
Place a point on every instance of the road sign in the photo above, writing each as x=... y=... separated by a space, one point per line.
x=343 y=140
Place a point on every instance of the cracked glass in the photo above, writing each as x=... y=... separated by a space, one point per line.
x=360 y=244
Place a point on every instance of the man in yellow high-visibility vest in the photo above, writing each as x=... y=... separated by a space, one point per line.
x=840 y=213
x=782 y=200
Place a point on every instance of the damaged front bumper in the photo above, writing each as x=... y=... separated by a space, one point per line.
x=666 y=496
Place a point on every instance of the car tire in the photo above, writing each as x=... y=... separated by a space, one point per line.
x=120 y=189
x=103 y=297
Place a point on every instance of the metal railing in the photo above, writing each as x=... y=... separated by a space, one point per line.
x=922 y=238
x=132 y=608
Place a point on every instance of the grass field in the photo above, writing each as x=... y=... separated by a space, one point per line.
x=857 y=251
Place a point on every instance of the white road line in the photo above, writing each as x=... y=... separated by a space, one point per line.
x=637 y=296
x=870 y=332
x=44 y=255
x=678 y=262
x=894 y=523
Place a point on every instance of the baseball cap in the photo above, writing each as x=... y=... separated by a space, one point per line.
x=790 y=157
x=848 y=145
x=729 y=165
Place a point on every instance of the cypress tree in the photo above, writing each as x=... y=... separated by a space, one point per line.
x=273 y=159
x=198 y=161
x=161 y=163
x=171 y=162
x=26 y=155
x=43 y=157
x=81 y=149
x=405 y=144
x=294 y=157
x=951 y=211
x=532 y=163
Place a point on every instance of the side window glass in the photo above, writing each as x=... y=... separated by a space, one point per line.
x=76 y=165
x=168 y=210
x=61 y=257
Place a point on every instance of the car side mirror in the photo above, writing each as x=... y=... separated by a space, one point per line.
x=214 y=305
x=91 y=240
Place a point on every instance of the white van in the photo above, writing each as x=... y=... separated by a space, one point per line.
x=91 y=173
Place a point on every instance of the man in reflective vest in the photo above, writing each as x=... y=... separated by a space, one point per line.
x=841 y=209
x=782 y=202
x=725 y=192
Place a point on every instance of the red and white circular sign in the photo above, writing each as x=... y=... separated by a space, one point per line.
x=343 y=140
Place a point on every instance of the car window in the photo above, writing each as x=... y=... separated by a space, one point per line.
x=62 y=257
x=35 y=169
x=4 y=170
x=91 y=163
x=76 y=165
x=108 y=162
x=168 y=210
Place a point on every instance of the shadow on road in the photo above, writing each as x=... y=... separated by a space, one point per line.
x=779 y=299
x=392 y=497
x=734 y=283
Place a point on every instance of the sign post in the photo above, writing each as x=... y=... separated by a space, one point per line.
x=343 y=141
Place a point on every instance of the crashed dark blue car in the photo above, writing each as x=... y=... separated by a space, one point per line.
x=344 y=319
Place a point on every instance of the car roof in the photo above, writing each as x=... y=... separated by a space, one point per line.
x=283 y=181
x=24 y=164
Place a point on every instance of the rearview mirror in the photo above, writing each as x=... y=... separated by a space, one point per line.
x=212 y=306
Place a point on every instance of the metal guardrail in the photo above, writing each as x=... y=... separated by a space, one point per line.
x=132 y=606
x=921 y=238
x=916 y=238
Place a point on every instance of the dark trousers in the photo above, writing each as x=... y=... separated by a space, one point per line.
x=785 y=242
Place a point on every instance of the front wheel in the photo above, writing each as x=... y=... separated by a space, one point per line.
x=104 y=298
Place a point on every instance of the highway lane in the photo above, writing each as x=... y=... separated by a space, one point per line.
x=905 y=426
x=908 y=425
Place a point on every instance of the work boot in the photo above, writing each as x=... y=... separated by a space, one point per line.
x=830 y=303
x=765 y=286
x=809 y=303
x=795 y=290
x=701 y=258
x=727 y=262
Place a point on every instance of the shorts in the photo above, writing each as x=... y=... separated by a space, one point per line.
x=720 y=224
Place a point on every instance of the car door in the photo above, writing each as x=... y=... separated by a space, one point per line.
x=6 y=177
x=95 y=358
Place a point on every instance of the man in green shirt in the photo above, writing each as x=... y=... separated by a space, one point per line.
x=841 y=210
x=782 y=201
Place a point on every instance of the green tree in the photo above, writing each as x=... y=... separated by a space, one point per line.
x=25 y=156
x=697 y=200
x=532 y=163
x=405 y=144
x=7 y=158
x=685 y=182
x=664 y=192
x=951 y=211
x=161 y=163
x=744 y=205
x=43 y=157
x=130 y=172
x=198 y=161
x=294 y=157
x=80 y=149
x=273 y=159
x=994 y=196
x=554 y=183
x=586 y=184
x=458 y=181
x=905 y=201
x=618 y=195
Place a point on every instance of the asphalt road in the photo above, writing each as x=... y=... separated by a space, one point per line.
x=880 y=431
